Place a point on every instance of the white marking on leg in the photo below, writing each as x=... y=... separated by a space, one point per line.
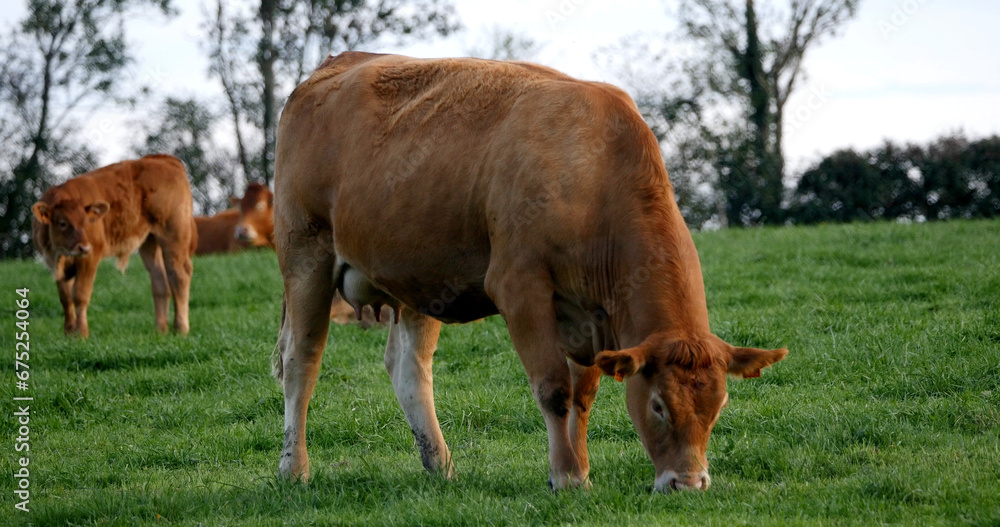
x=408 y=361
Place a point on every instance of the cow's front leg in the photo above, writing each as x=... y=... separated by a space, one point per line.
x=83 y=288
x=408 y=357
x=525 y=301
x=586 y=381
x=65 y=288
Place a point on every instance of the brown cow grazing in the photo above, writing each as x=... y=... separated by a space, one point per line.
x=456 y=189
x=143 y=204
x=250 y=223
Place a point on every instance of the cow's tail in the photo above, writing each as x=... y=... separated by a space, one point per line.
x=194 y=236
x=284 y=340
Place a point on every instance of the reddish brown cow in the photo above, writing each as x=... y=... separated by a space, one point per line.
x=256 y=223
x=250 y=223
x=143 y=204
x=217 y=233
x=456 y=189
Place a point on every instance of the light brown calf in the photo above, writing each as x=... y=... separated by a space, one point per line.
x=143 y=204
x=456 y=189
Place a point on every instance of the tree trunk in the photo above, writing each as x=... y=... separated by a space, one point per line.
x=230 y=91
x=266 y=59
x=240 y=145
x=754 y=74
x=766 y=176
x=31 y=169
x=778 y=149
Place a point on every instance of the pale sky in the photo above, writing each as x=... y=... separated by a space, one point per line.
x=907 y=70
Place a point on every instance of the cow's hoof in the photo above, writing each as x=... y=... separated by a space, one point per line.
x=448 y=471
x=569 y=482
x=293 y=469
x=294 y=478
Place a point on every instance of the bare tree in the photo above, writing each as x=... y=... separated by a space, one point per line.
x=283 y=39
x=725 y=93
x=184 y=128
x=63 y=57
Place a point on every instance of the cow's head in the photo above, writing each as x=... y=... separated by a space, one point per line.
x=70 y=224
x=256 y=223
x=675 y=391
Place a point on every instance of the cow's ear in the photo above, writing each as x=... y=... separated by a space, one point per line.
x=97 y=208
x=234 y=201
x=42 y=212
x=747 y=362
x=621 y=364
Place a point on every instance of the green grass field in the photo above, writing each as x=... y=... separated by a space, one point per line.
x=887 y=409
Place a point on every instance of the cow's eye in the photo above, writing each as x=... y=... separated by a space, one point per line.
x=657 y=408
x=63 y=224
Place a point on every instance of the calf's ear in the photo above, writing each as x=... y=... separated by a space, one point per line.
x=620 y=364
x=97 y=208
x=42 y=212
x=747 y=362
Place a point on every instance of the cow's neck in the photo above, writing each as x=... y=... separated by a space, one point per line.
x=665 y=291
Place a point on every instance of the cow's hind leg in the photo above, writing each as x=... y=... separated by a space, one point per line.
x=177 y=261
x=524 y=298
x=307 y=262
x=408 y=356
x=152 y=257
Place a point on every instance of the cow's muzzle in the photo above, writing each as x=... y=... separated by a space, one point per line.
x=245 y=233
x=671 y=481
x=81 y=249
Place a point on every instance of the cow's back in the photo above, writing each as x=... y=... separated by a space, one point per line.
x=217 y=234
x=162 y=182
x=427 y=164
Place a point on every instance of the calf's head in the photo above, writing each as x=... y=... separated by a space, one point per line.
x=256 y=223
x=70 y=224
x=675 y=391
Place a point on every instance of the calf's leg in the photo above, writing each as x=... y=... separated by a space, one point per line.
x=65 y=288
x=83 y=288
x=408 y=355
x=152 y=257
x=177 y=261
